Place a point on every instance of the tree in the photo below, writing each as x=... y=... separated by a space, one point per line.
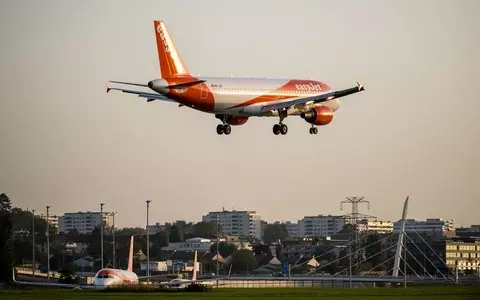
x=275 y=232
x=158 y=240
x=206 y=229
x=129 y=231
x=373 y=251
x=6 y=238
x=67 y=274
x=224 y=248
x=243 y=261
x=22 y=220
x=176 y=234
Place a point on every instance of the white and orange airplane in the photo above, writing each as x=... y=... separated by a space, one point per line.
x=108 y=277
x=235 y=100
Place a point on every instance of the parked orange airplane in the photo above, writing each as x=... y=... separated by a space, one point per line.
x=234 y=100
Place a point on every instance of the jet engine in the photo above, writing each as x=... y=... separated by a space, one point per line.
x=319 y=115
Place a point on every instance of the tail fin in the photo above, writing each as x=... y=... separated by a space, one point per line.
x=195 y=267
x=171 y=63
x=130 y=256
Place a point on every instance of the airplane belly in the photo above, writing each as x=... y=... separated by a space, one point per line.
x=224 y=103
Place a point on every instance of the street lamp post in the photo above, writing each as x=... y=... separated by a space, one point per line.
x=350 y=264
x=101 y=230
x=148 y=243
x=218 y=252
x=48 y=243
x=113 y=242
x=33 y=241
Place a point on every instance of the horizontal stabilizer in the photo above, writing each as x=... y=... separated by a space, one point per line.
x=150 y=96
x=184 y=85
x=129 y=83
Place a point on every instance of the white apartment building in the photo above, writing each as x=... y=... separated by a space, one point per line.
x=429 y=225
x=375 y=226
x=321 y=226
x=83 y=222
x=240 y=223
x=52 y=220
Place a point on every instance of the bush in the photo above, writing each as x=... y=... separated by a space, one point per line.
x=196 y=287
x=67 y=275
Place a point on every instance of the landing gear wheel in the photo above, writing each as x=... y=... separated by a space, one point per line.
x=276 y=129
x=315 y=130
x=220 y=129
x=283 y=129
x=227 y=129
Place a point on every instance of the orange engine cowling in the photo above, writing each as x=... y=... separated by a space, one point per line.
x=237 y=120
x=319 y=115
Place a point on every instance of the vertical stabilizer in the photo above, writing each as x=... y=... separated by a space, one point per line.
x=130 y=256
x=195 y=266
x=171 y=63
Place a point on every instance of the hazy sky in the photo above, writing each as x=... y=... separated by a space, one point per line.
x=416 y=128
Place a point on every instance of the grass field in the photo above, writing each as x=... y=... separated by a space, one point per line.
x=423 y=293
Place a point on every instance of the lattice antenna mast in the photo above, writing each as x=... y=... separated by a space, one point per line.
x=353 y=218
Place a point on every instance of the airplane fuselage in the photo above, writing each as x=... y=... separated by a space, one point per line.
x=114 y=277
x=242 y=96
x=234 y=100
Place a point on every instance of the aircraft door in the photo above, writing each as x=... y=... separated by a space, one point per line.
x=203 y=91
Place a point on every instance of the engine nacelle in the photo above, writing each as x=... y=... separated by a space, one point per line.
x=319 y=115
x=237 y=120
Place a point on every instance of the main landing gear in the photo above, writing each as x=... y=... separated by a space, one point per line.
x=313 y=130
x=280 y=127
x=224 y=128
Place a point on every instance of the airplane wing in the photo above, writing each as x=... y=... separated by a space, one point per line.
x=150 y=96
x=180 y=283
x=314 y=98
x=50 y=284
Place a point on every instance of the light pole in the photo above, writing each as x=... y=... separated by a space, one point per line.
x=48 y=244
x=101 y=230
x=113 y=236
x=148 y=244
x=33 y=241
x=350 y=264
x=218 y=253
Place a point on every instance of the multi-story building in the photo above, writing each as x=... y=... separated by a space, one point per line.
x=154 y=229
x=241 y=223
x=463 y=253
x=193 y=244
x=52 y=220
x=473 y=230
x=321 y=226
x=433 y=226
x=375 y=226
x=84 y=222
x=292 y=228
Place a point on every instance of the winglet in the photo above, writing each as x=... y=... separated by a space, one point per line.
x=359 y=86
x=108 y=87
